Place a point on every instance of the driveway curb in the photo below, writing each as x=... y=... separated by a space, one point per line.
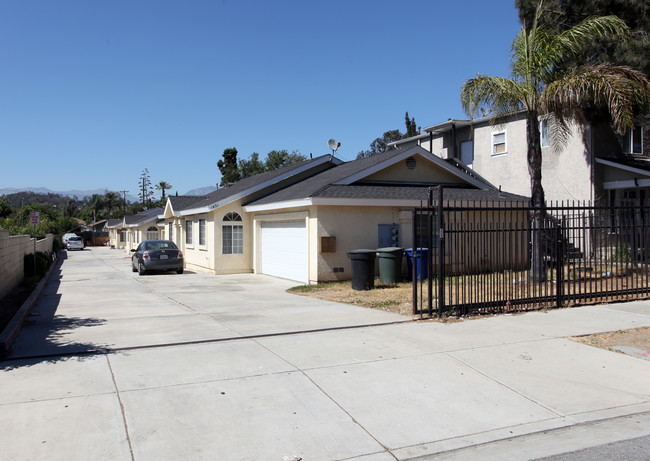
x=10 y=332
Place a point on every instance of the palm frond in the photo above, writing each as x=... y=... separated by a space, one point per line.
x=502 y=95
x=619 y=88
x=582 y=36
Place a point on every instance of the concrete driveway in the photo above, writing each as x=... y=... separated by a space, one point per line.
x=96 y=303
x=172 y=386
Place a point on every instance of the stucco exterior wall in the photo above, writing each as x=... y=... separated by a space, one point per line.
x=13 y=249
x=423 y=172
x=200 y=257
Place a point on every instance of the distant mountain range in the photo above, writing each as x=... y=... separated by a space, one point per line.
x=80 y=194
x=201 y=191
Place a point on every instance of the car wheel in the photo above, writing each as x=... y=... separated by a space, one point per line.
x=179 y=271
x=141 y=269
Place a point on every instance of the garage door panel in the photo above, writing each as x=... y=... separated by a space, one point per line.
x=284 y=250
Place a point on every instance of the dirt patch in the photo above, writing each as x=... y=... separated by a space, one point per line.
x=394 y=298
x=638 y=338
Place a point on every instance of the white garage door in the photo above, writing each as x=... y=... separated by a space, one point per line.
x=284 y=250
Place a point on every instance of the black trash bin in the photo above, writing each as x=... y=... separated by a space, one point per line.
x=363 y=269
x=390 y=264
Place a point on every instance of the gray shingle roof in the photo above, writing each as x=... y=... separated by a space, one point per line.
x=183 y=202
x=141 y=218
x=243 y=185
x=323 y=185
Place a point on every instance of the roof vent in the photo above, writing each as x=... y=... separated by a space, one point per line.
x=410 y=163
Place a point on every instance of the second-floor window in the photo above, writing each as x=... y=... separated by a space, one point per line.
x=633 y=141
x=499 y=143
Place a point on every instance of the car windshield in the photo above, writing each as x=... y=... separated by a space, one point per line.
x=161 y=246
x=74 y=238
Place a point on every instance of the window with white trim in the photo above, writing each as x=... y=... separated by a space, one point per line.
x=202 y=232
x=188 y=232
x=633 y=141
x=152 y=233
x=543 y=133
x=499 y=146
x=232 y=234
x=122 y=236
x=170 y=228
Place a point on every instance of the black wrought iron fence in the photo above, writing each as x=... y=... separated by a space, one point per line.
x=491 y=257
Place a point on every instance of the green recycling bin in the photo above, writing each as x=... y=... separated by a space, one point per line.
x=390 y=264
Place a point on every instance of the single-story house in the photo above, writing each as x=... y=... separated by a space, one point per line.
x=126 y=233
x=299 y=222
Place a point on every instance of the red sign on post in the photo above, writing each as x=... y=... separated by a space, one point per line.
x=34 y=217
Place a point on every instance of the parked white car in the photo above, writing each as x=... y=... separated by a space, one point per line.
x=65 y=238
x=75 y=243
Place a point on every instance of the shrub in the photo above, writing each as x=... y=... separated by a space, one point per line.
x=43 y=262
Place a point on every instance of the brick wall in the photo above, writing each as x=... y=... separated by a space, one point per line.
x=13 y=248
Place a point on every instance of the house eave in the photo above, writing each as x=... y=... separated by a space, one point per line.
x=279 y=205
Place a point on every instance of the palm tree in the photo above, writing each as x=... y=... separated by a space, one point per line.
x=540 y=88
x=163 y=185
x=111 y=201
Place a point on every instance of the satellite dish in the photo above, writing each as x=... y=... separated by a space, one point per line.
x=334 y=145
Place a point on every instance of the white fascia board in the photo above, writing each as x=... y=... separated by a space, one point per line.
x=406 y=140
x=194 y=211
x=626 y=184
x=415 y=150
x=620 y=166
x=279 y=205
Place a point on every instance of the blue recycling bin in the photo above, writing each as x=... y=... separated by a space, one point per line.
x=422 y=262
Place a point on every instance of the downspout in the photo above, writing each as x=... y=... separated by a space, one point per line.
x=431 y=142
x=453 y=140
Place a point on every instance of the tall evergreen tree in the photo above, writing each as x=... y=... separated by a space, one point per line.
x=228 y=167
x=145 y=188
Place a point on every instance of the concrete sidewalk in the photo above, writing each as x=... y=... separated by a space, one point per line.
x=507 y=387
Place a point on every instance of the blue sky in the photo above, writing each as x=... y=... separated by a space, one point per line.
x=93 y=92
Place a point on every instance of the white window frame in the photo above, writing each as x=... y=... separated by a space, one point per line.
x=188 y=232
x=170 y=227
x=202 y=233
x=152 y=233
x=544 y=141
x=630 y=137
x=494 y=144
x=232 y=235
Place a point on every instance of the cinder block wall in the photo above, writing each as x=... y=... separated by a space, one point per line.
x=13 y=249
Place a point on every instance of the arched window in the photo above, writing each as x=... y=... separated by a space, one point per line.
x=152 y=233
x=232 y=234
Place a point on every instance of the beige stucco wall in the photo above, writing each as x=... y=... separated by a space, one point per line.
x=13 y=249
x=566 y=175
x=424 y=172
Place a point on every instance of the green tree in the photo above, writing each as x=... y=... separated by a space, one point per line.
x=145 y=188
x=163 y=186
x=252 y=166
x=279 y=158
x=380 y=145
x=5 y=207
x=539 y=88
x=561 y=15
x=411 y=128
x=112 y=201
x=228 y=167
